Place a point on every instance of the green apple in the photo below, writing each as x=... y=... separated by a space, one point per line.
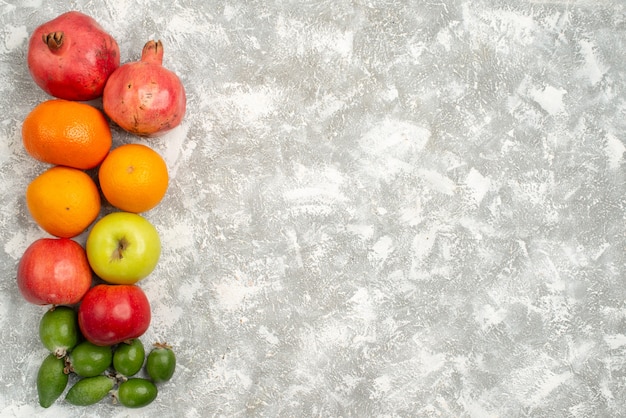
x=123 y=248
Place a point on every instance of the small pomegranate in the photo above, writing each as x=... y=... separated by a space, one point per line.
x=71 y=57
x=143 y=97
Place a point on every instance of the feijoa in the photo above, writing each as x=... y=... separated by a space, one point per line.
x=51 y=380
x=89 y=390
x=136 y=392
x=161 y=363
x=58 y=330
x=129 y=357
x=88 y=359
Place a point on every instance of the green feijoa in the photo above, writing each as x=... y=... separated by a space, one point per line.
x=89 y=390
x=129 y=357
x=51 y=380
x=88 y=359
x=136 y=392
x=58 y=330
x=161 y=363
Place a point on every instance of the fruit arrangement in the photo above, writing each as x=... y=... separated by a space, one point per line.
x=96 y=369
x=96 y=310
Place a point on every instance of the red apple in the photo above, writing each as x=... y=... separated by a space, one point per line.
x=54 y=271
x=111 y=314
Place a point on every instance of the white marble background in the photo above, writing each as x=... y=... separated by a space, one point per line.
x=377 y=208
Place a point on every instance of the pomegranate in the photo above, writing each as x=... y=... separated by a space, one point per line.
x=143 y=97
x=71 y=57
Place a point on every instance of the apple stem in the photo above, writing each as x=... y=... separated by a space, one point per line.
x=118 y=253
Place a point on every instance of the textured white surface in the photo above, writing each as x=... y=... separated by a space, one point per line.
x=377 y=208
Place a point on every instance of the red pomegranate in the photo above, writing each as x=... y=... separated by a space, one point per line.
x=143 y=97
x=71 y=57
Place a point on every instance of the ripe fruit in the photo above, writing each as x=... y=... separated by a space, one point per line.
x=123 y=248
x=54 y=271
x=63 y=132
x=129 y=357
x=161 y=363
x=88 y=359
x=51 y=380
x=72 y=56
x=136 y=392
x=89 y=390
x=143 y=97
x=58 y=330
x=133 y=178
x=63 y=201
x=110 y=314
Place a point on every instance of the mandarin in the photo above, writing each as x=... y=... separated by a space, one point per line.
x=63 y=132
x=63 y=201
x=133 y=178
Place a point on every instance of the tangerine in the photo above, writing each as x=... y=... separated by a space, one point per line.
x=64 y=132
x=63 y=201
x=133 y=178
